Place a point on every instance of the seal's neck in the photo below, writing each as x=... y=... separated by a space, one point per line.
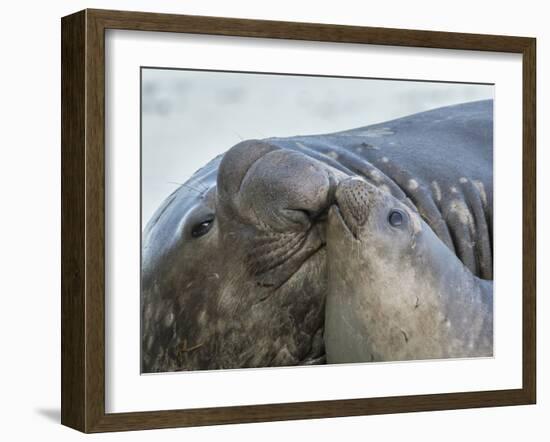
x=466 y=300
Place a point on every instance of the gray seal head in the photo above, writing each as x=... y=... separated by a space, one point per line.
x=233 y=266
x=395 y=290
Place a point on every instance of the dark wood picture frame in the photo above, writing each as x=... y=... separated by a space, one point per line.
x=83 y=220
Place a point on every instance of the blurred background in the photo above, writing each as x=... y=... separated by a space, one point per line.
x=189 y=117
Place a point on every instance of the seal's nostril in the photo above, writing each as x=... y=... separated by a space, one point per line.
x=312 y=216
x=314 y=210
x=320 y=216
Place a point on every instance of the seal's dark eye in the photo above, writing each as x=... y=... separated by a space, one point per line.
x=396 y=218
x=202 y=228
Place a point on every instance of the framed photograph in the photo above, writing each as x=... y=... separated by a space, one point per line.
x=269 y=220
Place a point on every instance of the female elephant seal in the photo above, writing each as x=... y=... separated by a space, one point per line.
x=395 y=291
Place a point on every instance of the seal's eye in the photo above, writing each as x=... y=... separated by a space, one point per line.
x=396 y=218
x=202 y=228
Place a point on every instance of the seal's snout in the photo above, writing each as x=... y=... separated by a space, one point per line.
x=275 y=188
x=353 y=197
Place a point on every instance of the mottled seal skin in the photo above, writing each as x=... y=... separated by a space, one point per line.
x=395 y=291
x=234 y=261
x=249 y=290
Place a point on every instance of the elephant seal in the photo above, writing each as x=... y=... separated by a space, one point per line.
x=234 y=260
x=395 y=291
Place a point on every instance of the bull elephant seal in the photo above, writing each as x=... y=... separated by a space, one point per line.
x=395 y=291
x=234 y=261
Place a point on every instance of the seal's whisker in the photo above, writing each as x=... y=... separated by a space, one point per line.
x=237 y=134
x=194 y=189
x=201 y=185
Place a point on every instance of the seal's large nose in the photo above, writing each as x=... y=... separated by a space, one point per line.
x=353 y=196
x=278 y=187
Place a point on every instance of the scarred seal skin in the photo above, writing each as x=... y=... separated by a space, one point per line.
x=395 y=291
x=234 y=261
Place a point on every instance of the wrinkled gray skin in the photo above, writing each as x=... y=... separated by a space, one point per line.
x=250 y=292
x=395 y=291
